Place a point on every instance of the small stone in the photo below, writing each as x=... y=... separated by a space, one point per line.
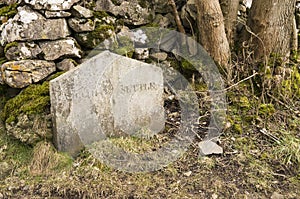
x=208 y=147
x=81 y=12
x=187 y=174
x=130 y=11
x=66 y=64
x=81 y=25
x=23 y=50
x=54 y=5
x=160 y=56
x=276 y=195
x=19 y=74
x=28 y=25
x=141 y=53
x=57 y=14
x=60 y=48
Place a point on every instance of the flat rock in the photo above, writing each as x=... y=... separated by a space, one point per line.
x=19 y=74
x=108 y=95
x=81 y=25
x=54 y=5
x=208 y=147
x=28 y=25
x=66 y=64
x=130 y=11
x=23 y=50
x=81 y=12
x=60 y=48
x=159 y=56
x=57 y=14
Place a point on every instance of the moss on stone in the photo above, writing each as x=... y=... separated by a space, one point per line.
x=9 y=10
x=124 y=46
x=94 y=38
x=9 y=45
x=100 y=14
x=34 y=99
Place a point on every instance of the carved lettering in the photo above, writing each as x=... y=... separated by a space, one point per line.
x=126 y=89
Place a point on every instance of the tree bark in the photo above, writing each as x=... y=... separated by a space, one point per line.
x=230 y=10
x=212 y=31
x=271 y=24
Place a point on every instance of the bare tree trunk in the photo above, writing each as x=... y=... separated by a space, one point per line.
x=212 y=31
x=230 y=10
x=271 y=23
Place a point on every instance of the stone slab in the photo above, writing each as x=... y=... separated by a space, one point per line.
x=108 y=95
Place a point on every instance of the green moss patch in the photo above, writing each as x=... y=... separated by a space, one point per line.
x=9 y=10
x=34 y=99
x=9 y=45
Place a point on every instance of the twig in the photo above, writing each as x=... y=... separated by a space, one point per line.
x=256 y=73
x=176 y=15
x=273 y=137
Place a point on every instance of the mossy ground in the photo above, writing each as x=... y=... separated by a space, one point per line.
x=34 y=99
x=261 y=157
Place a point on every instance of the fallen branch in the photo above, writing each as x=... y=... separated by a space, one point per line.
x=176 y=16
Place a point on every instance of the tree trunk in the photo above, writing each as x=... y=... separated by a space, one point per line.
x=212 y=31
x=230 y=10
x=271 y=23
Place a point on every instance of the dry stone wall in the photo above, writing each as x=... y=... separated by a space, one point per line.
x=37 y=34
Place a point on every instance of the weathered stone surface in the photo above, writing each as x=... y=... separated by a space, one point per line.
x=141 y=53
x=66 y=64
x=19 y=74
x=208 y=147
x=9 y=2
x=23 y=50
x=79 y=11
x=52 y=4
x=28 y=25
x=60 y=48
x=159 y=56
x=162 y=21
x=81 y=25
x=57 y=14
x=131 y=11
x=30 y=129
x=107 y=95
x=161 y=6
x=94 y=38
